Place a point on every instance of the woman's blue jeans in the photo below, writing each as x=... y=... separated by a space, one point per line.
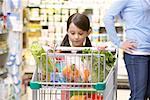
x=138 y=69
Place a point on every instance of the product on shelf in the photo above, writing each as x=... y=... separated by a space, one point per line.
x=3 y=72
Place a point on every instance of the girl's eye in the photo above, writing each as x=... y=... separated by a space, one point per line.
x=72 y=33
x=81 y=33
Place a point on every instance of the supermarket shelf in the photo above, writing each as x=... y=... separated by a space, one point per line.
x=34 y=19
x=67 y=5
x=3 y=33
x=33 y=6
x=33 y=30
x=72 y=6
x=3 y=51
x=3 y=59
x=3 y=75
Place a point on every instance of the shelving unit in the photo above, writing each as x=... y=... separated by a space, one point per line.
x=10 y=49
x=3 y=44
x=51 y=17
x=3 y=55
x=46 y=21
x=4 y=91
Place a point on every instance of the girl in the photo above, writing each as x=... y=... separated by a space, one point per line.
x=78 y=29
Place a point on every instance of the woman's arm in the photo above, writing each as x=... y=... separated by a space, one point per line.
x=114 y=10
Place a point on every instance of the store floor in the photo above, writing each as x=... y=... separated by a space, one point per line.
x=122 y=94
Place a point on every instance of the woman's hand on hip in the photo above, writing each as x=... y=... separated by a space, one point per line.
x=129 y=45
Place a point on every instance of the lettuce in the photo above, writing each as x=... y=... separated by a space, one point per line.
x=39 y=53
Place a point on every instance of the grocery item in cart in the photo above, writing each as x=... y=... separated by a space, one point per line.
x=79 y=68
x=86 y=96
x=71 y=73
x=78 y=97
x=39 y=53
x=83 y=68
x=98 y=63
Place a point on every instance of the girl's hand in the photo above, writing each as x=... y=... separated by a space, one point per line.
x=129 y=45
x=99 y=48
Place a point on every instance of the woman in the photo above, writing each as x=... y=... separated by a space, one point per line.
x=136 y=16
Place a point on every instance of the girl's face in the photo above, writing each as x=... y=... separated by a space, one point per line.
x=76 y=35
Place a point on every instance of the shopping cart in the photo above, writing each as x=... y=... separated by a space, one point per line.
x=72 y=75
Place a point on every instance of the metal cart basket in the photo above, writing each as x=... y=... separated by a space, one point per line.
x=74 y=74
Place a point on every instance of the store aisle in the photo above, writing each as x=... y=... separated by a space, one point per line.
x=123 y=94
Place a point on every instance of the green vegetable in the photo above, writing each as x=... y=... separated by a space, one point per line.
x=38 y=52
x=98 y=63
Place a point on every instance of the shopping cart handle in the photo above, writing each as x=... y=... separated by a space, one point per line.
x=46 y=48
x=75 y=48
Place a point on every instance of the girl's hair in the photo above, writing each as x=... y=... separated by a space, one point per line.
x=80 y=20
